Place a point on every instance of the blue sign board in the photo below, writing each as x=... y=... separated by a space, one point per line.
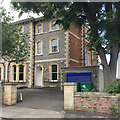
x=79 y=77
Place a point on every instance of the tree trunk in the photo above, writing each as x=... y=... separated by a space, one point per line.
x=109 y=76
x=109 y=70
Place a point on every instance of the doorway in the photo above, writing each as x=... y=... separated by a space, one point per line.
x=39 y=76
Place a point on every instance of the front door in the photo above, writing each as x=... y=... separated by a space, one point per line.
x=38 y=76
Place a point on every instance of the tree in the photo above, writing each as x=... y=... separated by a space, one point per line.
x=102 y=18
x=14 y=46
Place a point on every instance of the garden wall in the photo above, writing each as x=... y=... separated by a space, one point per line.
x=96 y=102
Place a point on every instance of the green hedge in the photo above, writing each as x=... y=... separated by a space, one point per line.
x=114 y=87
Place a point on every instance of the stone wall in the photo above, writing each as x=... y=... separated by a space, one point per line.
x=96 y=102
x=10 y=94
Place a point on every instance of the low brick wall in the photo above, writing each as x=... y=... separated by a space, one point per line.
x=96 y=102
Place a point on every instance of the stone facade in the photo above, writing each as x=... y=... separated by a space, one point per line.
x=38 y=70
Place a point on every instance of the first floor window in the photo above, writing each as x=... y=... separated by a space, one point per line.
x=87 y=60
x=54 y=45
x=39 y=28
x=14 y=72
x=54 y=72
x=0 y=73
x=21 y=72
x=39 y=48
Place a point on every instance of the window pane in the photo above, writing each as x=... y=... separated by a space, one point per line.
x=39 y=48
x=20 y=76
x=21 y=29
x=39 y=28
x=86 y=58
x=54 y=68
x=14 y=73
x=21 y=68
x=0 y=73
x=54 y=26
x=54 y=76
x=54 y=45
x=21 y=72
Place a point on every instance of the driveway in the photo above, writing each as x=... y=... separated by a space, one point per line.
x=44 y=103
x=45 y=98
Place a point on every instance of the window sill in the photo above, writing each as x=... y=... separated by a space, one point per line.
x=53 y=81
x=54 y=52
x=39 y=55
x=54 y=30
x=39 y=33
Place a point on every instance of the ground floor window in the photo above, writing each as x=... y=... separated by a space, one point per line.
x=21 y=73
x=54 y=73
x=0 y=73
x=18 y=72
x=14 y=73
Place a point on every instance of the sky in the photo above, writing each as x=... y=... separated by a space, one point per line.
x=7 y=6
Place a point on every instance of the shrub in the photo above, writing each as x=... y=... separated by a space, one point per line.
x=114 y=87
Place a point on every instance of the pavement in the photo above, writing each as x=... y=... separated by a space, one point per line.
x=45 y=103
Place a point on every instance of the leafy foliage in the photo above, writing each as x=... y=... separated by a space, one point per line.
x=114 y=87
x=113 y=110
x=14 y=46
x=101 y=18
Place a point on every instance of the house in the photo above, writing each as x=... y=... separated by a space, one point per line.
x=51 y=48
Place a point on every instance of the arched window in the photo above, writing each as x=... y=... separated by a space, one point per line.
x=54 y=45
x=39 y=47
x=53 y=25
x=21 y=28
x=14 y=73
x=39 y=28
x=21 y=73
x=0 y=73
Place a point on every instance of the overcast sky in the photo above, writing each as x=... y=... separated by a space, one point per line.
x=6 y=4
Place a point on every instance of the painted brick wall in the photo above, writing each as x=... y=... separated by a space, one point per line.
x=96 y=102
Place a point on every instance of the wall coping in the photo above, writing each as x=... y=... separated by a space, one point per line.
x=79 y=67
x=10 y=83
x=96 y=94
x=69 y=84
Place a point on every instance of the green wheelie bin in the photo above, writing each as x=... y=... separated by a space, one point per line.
x=86 y=86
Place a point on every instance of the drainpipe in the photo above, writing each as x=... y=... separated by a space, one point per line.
x=91 y=58
x=34 y=52
x=83 y=47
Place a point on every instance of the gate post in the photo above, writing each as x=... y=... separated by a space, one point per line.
x=10 y=93
x=69 y=89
